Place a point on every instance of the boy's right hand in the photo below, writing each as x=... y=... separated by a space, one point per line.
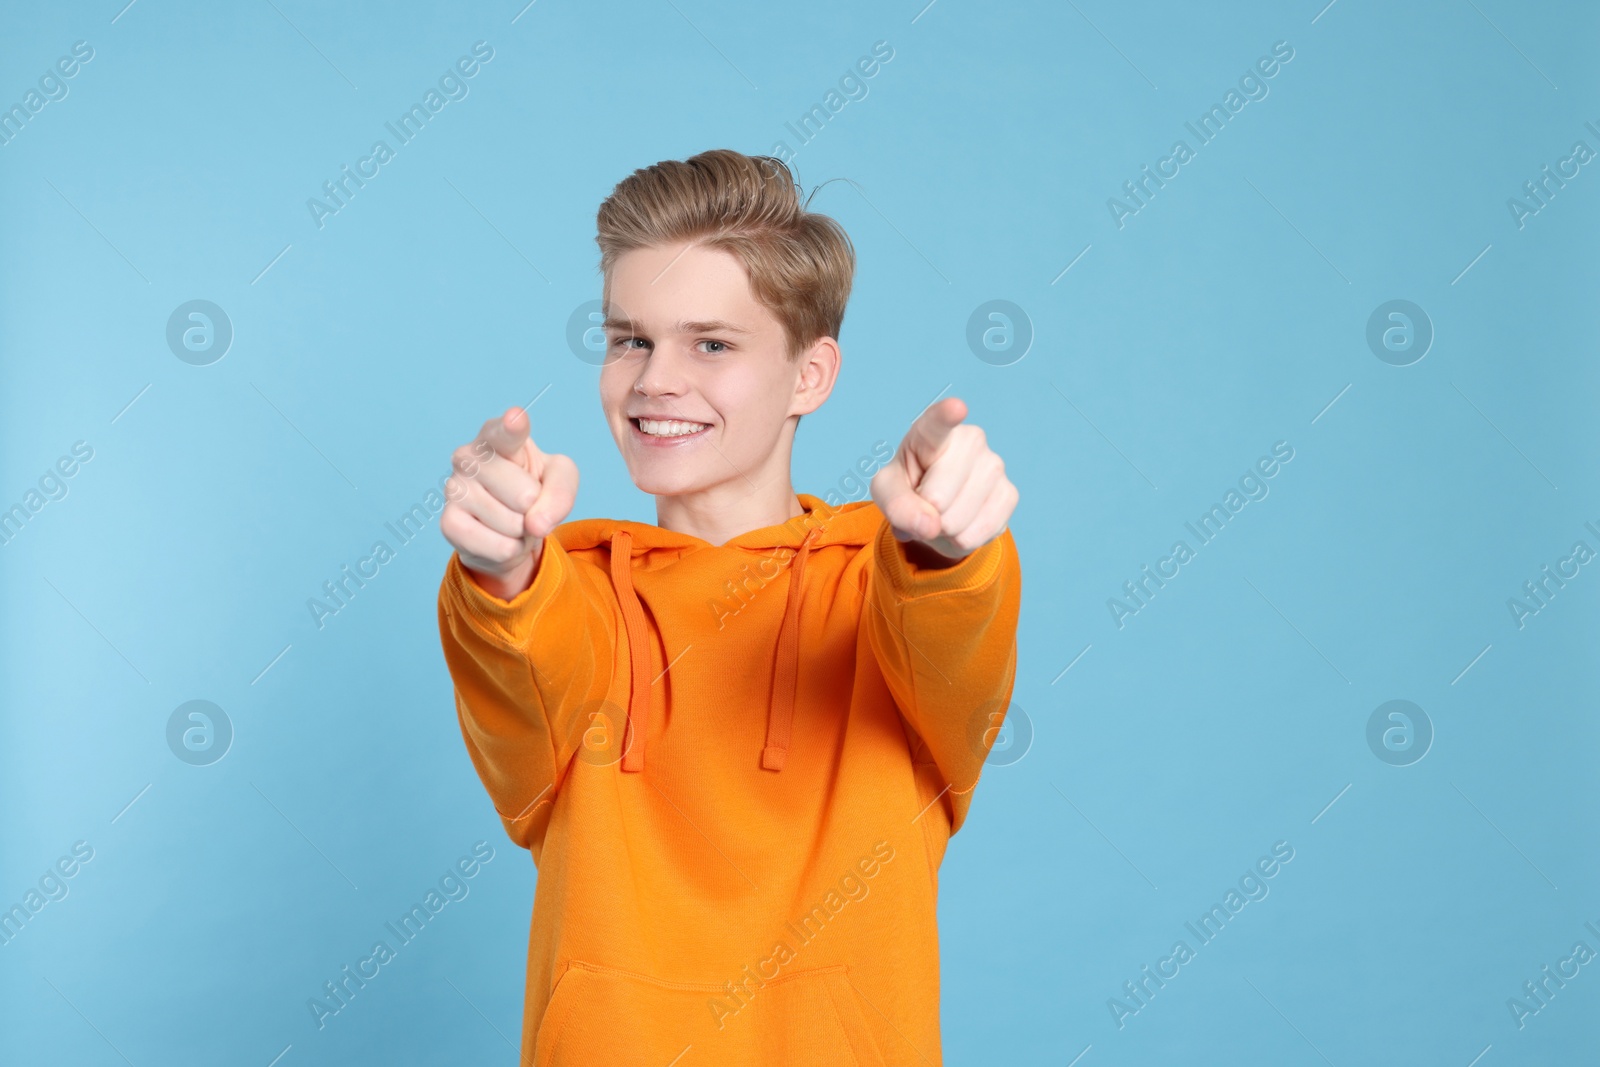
x=503 y=498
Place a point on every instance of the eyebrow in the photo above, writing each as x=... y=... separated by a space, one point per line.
x=706 y=326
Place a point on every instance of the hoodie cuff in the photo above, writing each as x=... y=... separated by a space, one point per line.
x=509 y=618
x=909 y=580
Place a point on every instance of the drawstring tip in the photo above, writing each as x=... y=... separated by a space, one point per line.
x=772 y=757
x=632 y=750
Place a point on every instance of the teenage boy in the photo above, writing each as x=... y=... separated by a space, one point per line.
x=736 y=742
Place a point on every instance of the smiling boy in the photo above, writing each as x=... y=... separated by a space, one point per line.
x=738 y=814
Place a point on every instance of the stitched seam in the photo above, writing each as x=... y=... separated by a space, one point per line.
x=538 y=613
x=838 y=1014
x=566 y=1014
x=527 y=812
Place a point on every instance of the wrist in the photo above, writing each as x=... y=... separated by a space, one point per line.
x=507 y=585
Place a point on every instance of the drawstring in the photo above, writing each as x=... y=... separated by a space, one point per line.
x=785 y=667
x=638 y=658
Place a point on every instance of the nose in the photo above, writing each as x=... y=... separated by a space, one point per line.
x=660 y=375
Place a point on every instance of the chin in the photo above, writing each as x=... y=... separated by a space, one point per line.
x=656 y=480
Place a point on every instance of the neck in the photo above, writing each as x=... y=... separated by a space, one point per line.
x=720 y=514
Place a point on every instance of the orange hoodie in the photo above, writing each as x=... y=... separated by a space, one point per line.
x=737 y=768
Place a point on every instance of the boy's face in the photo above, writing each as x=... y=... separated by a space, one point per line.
x=697 y=388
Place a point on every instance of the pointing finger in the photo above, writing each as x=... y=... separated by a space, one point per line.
x=930 y=431
x=508 y=434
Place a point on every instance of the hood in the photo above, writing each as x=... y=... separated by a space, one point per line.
x=854 y=524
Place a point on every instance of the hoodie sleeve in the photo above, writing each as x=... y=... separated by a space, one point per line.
x=945 y=639
x=531 y=676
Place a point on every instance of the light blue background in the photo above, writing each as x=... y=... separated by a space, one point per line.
x=1223 y=317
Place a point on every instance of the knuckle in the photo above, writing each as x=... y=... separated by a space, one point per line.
x=452 y=523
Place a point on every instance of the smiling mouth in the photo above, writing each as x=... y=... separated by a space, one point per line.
x=668 y=429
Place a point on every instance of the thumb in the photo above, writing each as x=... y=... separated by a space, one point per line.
x=911 y=517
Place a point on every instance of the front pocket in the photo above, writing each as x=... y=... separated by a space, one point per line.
x=604 y=1015
x=816 y=1018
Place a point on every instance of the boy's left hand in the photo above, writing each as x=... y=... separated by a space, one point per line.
x=945 y=490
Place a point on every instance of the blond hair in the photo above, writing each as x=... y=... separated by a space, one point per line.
x=800 y=263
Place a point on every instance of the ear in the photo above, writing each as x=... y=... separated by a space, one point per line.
x=819 y=370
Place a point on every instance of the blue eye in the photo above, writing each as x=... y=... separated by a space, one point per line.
x=722 y=347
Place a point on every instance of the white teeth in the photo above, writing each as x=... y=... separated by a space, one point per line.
x=669 y=428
